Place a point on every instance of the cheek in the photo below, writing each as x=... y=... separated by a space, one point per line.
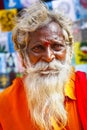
x=61 y=55
x=33 y=58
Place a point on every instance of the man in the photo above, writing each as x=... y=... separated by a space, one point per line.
x=48 y=96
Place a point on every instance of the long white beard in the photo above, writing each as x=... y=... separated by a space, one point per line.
x=45 y=93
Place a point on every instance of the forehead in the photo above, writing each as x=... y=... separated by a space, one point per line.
x=49 y=32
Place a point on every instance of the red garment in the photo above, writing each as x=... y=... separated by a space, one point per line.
x=81 y=92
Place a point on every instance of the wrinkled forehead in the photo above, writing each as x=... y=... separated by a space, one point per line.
x=51 y=27
x=48 y=32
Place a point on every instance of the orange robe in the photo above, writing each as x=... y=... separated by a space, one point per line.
x=14 y=114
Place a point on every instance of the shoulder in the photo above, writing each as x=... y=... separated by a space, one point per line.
x=81 y=76
x=7 y=95
x=10 y=89
x=11 y=100
x=80 y=73
x=81 y=83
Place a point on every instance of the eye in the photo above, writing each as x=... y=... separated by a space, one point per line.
x=38 y=48
x=58 y=47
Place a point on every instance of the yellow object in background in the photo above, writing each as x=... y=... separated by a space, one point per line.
x=80 y=50
x=6 y=17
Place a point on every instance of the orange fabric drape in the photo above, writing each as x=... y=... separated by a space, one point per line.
x=14 y=114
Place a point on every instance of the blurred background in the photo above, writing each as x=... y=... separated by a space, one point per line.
x=10 y=66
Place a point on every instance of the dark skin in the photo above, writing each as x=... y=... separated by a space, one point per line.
x=47 y=43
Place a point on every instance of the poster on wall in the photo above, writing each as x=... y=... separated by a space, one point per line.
x=2 y=63
x=4 y=42
x=11 y=63
x=10 y=43
x=9 y=4
x=80 y=50
x=6 y=17
x=80 y=9
x=65 y=6
x=4 y=80
x=83 y=6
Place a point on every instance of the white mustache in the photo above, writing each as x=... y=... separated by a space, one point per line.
x=40 y=67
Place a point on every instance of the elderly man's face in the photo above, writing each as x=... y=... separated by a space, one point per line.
x=46 y=44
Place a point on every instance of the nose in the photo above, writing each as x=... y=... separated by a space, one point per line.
x=48 y=55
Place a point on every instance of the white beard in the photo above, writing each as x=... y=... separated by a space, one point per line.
x=45 y=93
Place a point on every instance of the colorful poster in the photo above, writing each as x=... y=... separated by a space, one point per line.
x=6 y=17
x=11 y=63
x=8 y=4
x=3 y=42
x=80 y=50
x=80 y=9
x=77 y=9
x=83 y=3
x=4 y=80
x=65 y=6
x=2 y=63
x=10 y=42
